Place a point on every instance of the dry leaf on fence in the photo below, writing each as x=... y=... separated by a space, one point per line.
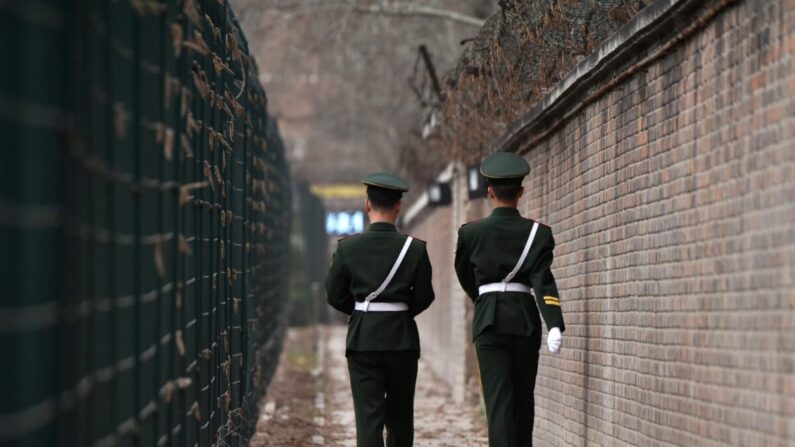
x=234 y=48
x=177 y=37
x=208 y=174
x=220 y=66
x=120 y=118
x=160 y=264
x=180 y=342
x=197 y=44
x=218 y=177
x=214 y=29
x=183 y=246
x=168 y=143
x=196 y=411
x=192 y=12
x=167 y=392
x=184 y=144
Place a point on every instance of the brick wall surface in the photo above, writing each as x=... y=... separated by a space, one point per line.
x=445 y=328
x=436 y=323
x=672 y=202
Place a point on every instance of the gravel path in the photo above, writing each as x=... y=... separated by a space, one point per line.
x=310 y=403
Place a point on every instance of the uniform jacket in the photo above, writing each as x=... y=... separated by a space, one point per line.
x=487 y=251
x=360 y=265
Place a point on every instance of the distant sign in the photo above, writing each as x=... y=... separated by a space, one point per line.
x=341 y=223
x=339 y=191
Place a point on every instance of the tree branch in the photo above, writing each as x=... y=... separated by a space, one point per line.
x=395 y=9
x=409 y=9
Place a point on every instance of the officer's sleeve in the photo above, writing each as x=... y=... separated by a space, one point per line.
x=338 y=283
x=464 y=270
x=423 y=289
x=545 y=289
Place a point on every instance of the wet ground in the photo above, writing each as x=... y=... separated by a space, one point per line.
x=309 y=401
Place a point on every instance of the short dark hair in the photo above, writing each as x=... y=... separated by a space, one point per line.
x=383 y=203
x=506 y=191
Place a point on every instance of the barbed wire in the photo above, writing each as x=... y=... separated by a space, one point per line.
x=524 y=49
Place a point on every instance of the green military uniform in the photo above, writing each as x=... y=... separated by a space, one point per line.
x=383 y=343
x=507 y=326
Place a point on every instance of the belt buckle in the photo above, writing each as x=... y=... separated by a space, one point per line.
x=366 y=305
x=504 y=286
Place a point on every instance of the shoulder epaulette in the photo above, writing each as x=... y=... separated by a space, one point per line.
x=470 y=222
x=346 y=237
x=540 y=223
x=416 y=238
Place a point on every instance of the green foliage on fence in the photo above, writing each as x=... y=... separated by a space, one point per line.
x=144 y=225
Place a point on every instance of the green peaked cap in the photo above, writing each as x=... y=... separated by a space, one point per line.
x=504 y=166
x=387 y=181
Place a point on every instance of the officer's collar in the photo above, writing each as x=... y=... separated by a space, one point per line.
x=381 y=226
x=505 y=211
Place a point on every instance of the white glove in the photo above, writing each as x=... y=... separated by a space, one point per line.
x=554 y=340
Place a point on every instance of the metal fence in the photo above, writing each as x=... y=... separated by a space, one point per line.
x=310 y=254
x=144 y=220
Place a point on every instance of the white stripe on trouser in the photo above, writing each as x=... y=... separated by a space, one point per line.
x=366 y=304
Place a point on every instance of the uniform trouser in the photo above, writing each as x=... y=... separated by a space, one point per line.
x=508 y=366
x=382 y=383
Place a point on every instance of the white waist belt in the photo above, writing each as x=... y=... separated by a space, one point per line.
x=381 y=307
x=503 y=287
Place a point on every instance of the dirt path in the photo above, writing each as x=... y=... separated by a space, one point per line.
x=289 y=416
x=309 y=401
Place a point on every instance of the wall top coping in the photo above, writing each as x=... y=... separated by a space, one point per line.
x=651 y=21
x=419 y=205
x=660 y=20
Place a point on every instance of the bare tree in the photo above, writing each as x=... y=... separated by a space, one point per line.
x=522 y=51
x=337 y=74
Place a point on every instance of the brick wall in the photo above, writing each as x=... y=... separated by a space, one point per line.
x=673 y=205
x=435 y=323
x=445 y=328
x=672 y=201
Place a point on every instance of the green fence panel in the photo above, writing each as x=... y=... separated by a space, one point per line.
x=144 y=221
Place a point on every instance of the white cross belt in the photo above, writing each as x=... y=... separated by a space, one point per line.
x=368 y=305
x=380 y=307
x=504 y=287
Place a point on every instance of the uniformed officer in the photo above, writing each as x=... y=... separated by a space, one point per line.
x=382 y=279
x=500 y=261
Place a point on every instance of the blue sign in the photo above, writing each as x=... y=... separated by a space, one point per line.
x=341 y=223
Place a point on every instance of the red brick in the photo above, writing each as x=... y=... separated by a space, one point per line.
x=674 y=252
